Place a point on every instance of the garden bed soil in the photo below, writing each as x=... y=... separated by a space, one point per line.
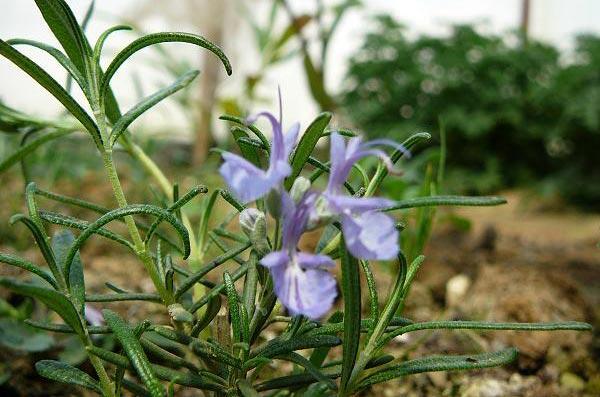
x=517 y=263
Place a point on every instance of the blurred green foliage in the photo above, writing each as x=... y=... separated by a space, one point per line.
x=515 y=111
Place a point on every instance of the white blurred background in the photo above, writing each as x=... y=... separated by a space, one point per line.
x=554 y=21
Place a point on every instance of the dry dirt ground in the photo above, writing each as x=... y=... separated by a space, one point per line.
x=517 y=263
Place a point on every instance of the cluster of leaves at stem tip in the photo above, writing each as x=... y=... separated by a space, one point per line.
x=212 y=337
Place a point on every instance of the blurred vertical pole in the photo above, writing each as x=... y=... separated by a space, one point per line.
x=525 y=7
x=210 y=76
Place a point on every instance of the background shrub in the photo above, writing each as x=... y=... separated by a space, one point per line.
x=514 y=112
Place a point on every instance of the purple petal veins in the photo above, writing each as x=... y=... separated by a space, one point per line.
x=300 y=280
x=369 y=234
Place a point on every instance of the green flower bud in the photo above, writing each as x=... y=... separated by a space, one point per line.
x=273 y=201
x=300 y=186
x=321 y=214
x=179 y=314
x=254 y=225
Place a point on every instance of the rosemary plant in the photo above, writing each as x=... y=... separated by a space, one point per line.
x=212 y=338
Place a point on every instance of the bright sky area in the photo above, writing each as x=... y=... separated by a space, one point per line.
x=556 y=21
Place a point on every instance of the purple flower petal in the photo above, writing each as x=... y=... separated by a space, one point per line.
x=93 y=316
x=275 y=259
x=357 y=205
x=311 y=261
x=295 y=218
x=309 y=292
x=247 y=181
x=371 y=235
x=290 y=138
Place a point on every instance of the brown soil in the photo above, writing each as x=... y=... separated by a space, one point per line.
x=519 y=264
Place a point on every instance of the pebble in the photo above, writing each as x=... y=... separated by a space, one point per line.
x=486 y=388
x=456 y=289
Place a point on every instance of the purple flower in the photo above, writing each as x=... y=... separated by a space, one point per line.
x=249 y=182
x=300 y=280
x=369 y=234
x=93 y=316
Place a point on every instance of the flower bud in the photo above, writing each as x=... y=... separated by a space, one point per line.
x=254 y=225
x=273 y=201
x=321 y=215
x=300 y=186
x=179 y=314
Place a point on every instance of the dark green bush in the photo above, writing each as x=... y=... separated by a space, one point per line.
x=512 y=111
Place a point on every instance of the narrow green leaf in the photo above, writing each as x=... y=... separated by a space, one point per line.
x=181 y=378
x=66 y=29
x=366 y=325
x=380 y=360
x=88 y=15
x=79 y=224
x=307 y=145
x=100 y=210
x=430 y=201
x=227 y=196
x=233 y=302
x=148 y=102
x=295 y=381
x=27 y=149
x=319 y=389
x=249 y=153
x=102 y=38
x=242 y=123
x=207 y=210
x=29 y=266
x=214 y=352
x=373 y=298
x=195 y=277
x=43 y=246
x=156 y=38
x=61 y=242
x=119 y=213
x=134 y=388
x=309 y=367
x=53 y=299
x=218 y=289
x=352 y=313
x=65 y=329
x=127 y=296
x=72 y=201
x=166 y=357
x=52 y=86
x=250 y=284
x=278 y=346
x=60 y=58
x=175 y=207
x=382 y=171
x=65 y=373
x=489 y=326
x=442 y=363
x=134 y=351
x=214 y=305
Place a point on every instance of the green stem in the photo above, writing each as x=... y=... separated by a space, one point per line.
x=152 y=169
x=140 y=247
x=105 y=382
